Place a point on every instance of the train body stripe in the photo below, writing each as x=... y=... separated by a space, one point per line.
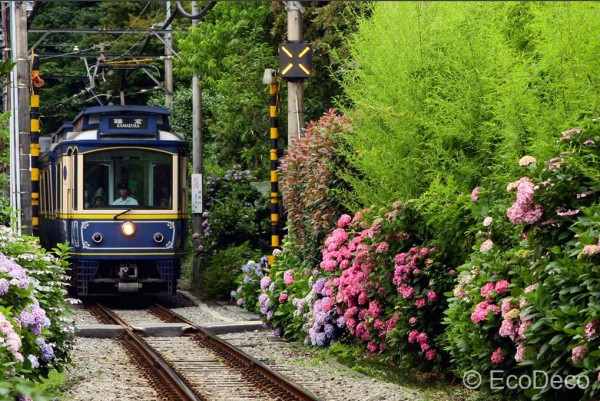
x=174 y=254
x=111 y=214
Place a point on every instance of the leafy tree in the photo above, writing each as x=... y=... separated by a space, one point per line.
x=230 y=49
x=68 y=88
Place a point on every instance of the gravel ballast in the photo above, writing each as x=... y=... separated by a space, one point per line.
x=104 y=372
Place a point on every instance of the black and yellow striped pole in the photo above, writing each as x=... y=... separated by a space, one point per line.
x=34 y=112
x=270 y=79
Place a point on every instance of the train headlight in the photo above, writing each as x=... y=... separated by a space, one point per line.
x=158 y=238
x=128 y=229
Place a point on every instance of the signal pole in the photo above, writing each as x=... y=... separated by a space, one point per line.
x=296 y=88
x=20 y=183
x=270 y=78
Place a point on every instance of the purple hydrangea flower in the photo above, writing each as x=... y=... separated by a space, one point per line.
x=4 y=286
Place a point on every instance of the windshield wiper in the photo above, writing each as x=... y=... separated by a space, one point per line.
x=122 y=213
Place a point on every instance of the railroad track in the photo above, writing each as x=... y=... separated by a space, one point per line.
x=198 y=365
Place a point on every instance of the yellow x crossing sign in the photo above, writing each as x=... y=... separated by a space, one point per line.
x=295 y=60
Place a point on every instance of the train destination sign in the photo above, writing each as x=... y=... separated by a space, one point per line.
x=128 y=123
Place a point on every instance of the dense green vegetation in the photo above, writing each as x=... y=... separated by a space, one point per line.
x=454 y=92
x=439 y=266
x=403 y=242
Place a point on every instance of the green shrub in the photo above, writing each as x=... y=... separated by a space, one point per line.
x=309 y=179
x=218 y=273
x=528 y=299
x=36 y=331
x=248 y=281
x=234 y=212
x=456 y=91
x=234 y=226
x=285 y=293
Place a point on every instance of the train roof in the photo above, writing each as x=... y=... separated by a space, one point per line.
x=116 y=122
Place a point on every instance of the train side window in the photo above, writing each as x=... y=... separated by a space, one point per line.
x=42 y=198
x=75 y=178
x=58 y=183
x=163 y=187
x=96 y=173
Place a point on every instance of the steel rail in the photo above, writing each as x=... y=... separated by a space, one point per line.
x=163 y=373
x=291 y=391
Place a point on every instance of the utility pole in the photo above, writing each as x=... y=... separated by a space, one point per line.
x=6 y=52
x=168 y=62
x=296 y=88
x=20 y=185
x=197 y=144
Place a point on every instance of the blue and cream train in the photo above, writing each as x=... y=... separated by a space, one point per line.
x=116 y=248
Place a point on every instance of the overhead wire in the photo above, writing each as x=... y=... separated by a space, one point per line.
x=130 y=26
x=145 y=36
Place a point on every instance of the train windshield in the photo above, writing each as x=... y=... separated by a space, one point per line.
x=131 y=178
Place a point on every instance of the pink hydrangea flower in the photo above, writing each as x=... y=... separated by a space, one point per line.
x=578 y=353
x=487 y=289
x=420 y=303
x=372 y=346
x=406 y=291
x=430 y=354
x=344 y=221
x=523 y=210
x=288 y=277
x=592 y=329
x=523 y=328
x=508 y=329
x=506 y=306
x=497 y=356
x=590 y=250
x=520 y=354
x=459 y=291
x=481 y=311
x=501 y=286
x=474 y=194
x=382 y=247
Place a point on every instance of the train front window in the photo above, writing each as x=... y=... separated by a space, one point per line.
x=131 y=178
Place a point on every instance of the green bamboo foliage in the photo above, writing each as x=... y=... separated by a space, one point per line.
x=462 y=89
